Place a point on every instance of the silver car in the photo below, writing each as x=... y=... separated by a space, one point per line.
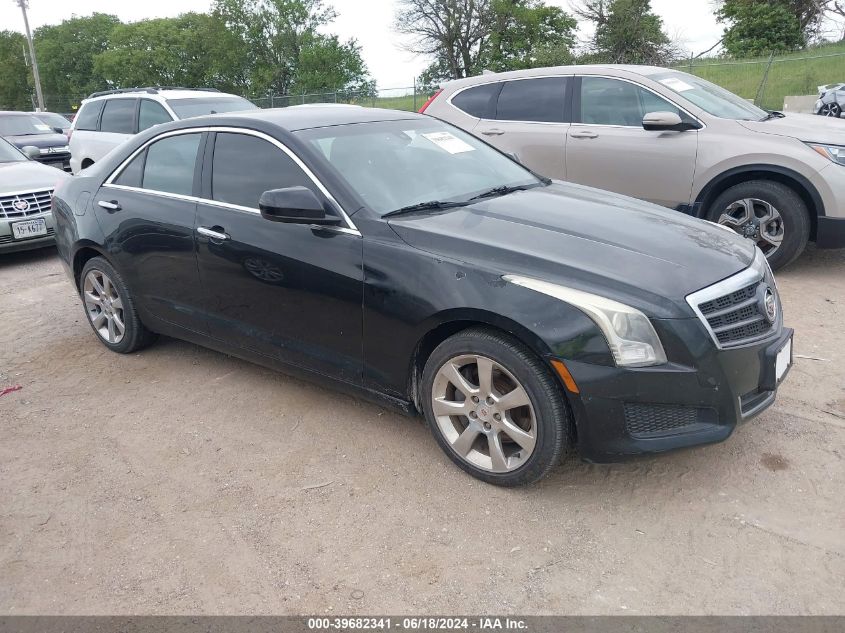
x=670 y=138
x=26 y=192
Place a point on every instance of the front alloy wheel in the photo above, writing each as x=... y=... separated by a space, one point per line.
x=495 y=407
x=484 y=413
x=831 y=109
x=757 y=220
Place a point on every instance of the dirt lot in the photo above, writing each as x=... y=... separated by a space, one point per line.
x=179 y=480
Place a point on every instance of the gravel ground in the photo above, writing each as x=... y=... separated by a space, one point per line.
x=179 y=480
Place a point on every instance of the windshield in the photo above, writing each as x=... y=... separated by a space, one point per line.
x=10 y=153
x=187 y=108
x=396 y=164
x=710 y=97
x=53 y=120
x=22 y=125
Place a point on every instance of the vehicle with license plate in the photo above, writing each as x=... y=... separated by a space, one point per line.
x=24 y=129
x=108 y=118
x=26 y=188
x=670 y=138
x=397 y=257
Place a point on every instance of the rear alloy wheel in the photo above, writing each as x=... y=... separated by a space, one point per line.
x=494 y=408
x=770 y=214
x=110 y=308
x=831 y=109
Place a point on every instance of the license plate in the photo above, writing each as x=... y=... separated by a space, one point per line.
x=29 y=228
x=783 y=360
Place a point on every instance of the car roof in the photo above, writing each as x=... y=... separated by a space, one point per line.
x=300 y=117
x=620 y=70
x=162 y=92
x=15 y=113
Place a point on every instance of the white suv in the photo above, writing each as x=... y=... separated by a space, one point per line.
x=108 y=118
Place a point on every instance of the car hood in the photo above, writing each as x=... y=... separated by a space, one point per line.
x=804 y=127
x=632 y=251
x=27 y=176
x=38 y=140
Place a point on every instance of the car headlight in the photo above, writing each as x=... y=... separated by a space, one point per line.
x=836 y=153
x=629 y=333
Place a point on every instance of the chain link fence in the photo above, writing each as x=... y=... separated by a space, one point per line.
x=768 y=81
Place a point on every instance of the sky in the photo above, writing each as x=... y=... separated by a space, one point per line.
x=369 y=21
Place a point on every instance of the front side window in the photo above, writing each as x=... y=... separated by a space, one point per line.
x=244 y=167
x=170 y=164
x=607 y=101
x=150 y=114
x=118 y=116
x=394 y=164
x=478 y=100
x=186 y=108
x=542 y=100
x=87 y=117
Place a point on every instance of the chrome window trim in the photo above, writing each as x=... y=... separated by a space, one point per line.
x=573 y=75
x=109 y=182
x=756 y=272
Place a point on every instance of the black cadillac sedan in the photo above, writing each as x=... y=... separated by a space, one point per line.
x=400 y=258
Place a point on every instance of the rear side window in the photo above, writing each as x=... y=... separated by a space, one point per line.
x=150 y=114
x=170 y=164
x=244 y=167
x=133 y=173
x=87 y=117
x=118 y=116
x=542 y=99
x=478 y=101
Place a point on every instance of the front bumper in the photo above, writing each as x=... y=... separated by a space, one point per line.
x=8 y=244
x=624 y=412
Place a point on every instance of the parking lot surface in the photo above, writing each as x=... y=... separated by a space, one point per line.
x=179 y=480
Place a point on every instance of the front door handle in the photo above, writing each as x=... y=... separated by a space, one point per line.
x=213 y=233
x=584 y=134
x=110 y=205
x=493 y=132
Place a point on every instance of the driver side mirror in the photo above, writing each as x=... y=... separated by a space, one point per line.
x=667 y=122
x=31 y=152
x=294 y=205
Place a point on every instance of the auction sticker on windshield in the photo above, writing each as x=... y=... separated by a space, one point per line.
x=678 y=85
x=29 y=228
x=449 y=142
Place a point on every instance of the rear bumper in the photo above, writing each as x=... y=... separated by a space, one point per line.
x=620 y=413
x=830 y=232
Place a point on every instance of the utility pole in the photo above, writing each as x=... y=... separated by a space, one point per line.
x=23 y=5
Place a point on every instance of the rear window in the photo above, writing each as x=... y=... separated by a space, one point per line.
x=87 y=117
x=119 y=116
x=542 y=99
x=187 y=108
x=478 y=101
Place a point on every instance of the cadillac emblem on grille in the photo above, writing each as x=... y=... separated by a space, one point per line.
x=20 y=205
x=770 y=305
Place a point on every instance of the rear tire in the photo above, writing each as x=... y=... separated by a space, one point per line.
x=768 y=212
x=495 y=408
x=110 y=309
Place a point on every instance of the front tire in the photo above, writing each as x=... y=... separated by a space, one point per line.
x=495 y=408
x=110 y=308
x=831 y=110
x=771 y=214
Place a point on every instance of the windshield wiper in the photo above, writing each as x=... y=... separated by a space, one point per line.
x=424 y=206
x=502 y=191
x=774 y=114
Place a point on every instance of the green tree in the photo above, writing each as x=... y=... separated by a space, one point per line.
x=193 y=49
x=627 y=32
x=756 y=27
x=66 y=55
x=528 y=34
x=285 y=52
x=14 y=77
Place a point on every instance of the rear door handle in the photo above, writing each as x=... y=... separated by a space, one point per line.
x=584 y=134
x=212 y=233
x=493 y=132
x=110 y=205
